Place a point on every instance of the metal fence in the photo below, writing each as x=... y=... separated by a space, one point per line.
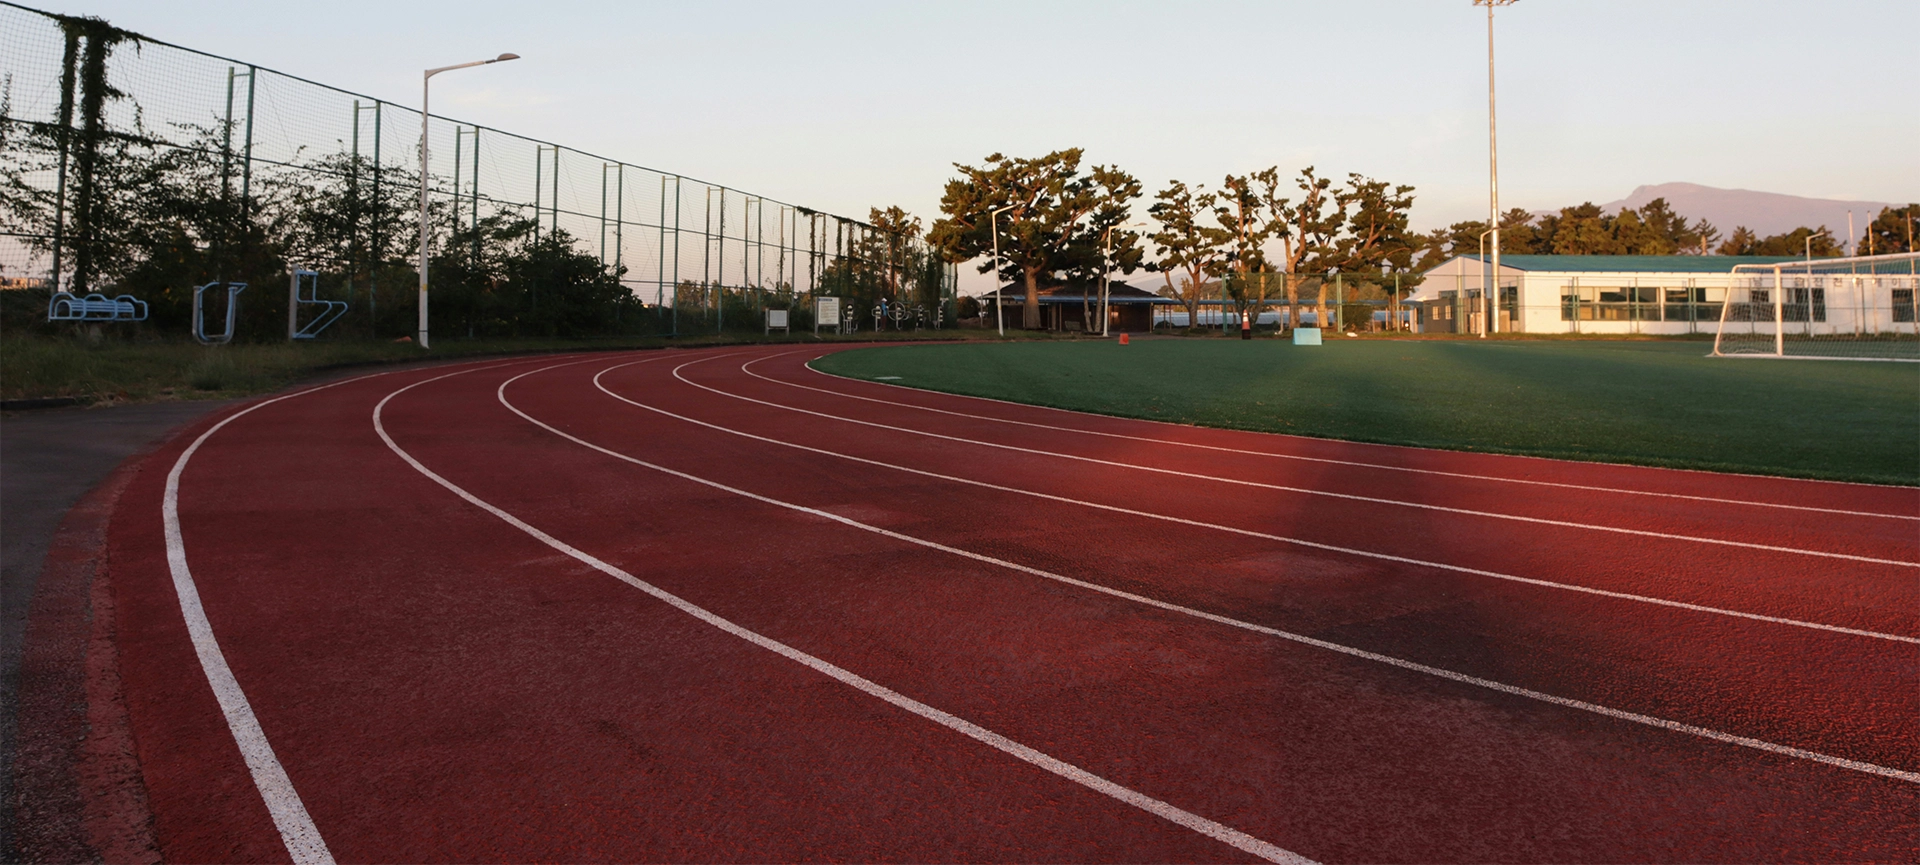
x=99 y=122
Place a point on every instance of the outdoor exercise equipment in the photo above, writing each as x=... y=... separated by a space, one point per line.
x=305 y=289
x=233 y=309
x=96 y=307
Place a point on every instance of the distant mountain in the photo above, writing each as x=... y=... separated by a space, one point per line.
x=1765 y=212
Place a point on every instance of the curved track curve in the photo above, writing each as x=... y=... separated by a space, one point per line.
x=715 y=606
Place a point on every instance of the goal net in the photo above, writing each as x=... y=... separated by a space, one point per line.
x=1858 y=308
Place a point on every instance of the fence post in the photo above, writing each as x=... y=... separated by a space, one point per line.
x=246 y=162
x=1339 y=301
x=619 y=214
x=474 y=200
x=676 y=255
x=353 y=202
x=67 y=70
x=458 y=134
x=373 y=269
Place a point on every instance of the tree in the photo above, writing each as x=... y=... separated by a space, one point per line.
x=1244 y=212
x=1306 y=232
x=1376 y=231
x=1106 y=242
x=1890 y=232
x=1743 y=239
x=1376 y=239
x=1185 y=243
x=1674 y=235
x=1800 y=241
x=1050 y=202
x=895 y=231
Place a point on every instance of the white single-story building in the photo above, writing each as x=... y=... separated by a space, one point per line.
x=1657 y=294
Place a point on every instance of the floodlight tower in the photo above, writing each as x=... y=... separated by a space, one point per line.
x=1493 y=176
x=426 y=80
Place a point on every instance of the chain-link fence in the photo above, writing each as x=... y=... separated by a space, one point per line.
x=130 y=166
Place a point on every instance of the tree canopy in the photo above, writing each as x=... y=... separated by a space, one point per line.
x=1054 y=220
x=1892 y=231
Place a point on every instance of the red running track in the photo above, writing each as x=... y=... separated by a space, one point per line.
x=715 y=606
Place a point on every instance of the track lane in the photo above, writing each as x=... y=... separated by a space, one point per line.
x=1878 y=598
x=461 y=693
x=716 y=452
x=1743 y=491
x=498 y=760
x=1780 y=695
x=1202 y=825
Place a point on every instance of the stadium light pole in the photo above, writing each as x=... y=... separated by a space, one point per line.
x=999 y=296
x=1493 y=171
x=425 y=81
x=1492 y=281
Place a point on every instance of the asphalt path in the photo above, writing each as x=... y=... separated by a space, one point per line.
x=49 y=458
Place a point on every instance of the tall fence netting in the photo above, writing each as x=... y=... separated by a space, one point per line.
x=130 y=166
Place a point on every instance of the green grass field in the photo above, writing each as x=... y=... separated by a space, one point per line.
x=1651 y=403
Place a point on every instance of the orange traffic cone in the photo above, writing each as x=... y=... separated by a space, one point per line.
x=1123 y=339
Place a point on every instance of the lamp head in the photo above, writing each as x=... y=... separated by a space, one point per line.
x=504 y=57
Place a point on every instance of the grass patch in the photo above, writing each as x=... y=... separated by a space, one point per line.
x=1651 y=403
x=124 y=370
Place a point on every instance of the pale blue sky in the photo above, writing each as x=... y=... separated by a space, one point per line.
x=842 y=105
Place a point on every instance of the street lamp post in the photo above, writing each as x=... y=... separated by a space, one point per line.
x=999 y=294
x=425 y=80
x=1493 y=170
x=1106 y=275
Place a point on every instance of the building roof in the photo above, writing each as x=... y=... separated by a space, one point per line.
x=1117 y=293
x=1634 y=263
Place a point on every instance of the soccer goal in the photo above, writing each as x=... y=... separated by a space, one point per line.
x=1858 y=308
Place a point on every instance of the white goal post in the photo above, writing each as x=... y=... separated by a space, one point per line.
x=1857 y=308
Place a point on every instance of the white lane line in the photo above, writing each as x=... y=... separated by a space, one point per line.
x=297 y=830
x=1565 y=524
x=808 y=366
x=1515 y=690
x=1645 y=599
x=1218 y=831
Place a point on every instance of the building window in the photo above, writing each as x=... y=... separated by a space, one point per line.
x=1804 y=304
x=1707 y=303
x=1903 y=308
x=1576 y=303
x=1679 y=304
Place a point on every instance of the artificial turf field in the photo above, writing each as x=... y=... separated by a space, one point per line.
x=1643 y=402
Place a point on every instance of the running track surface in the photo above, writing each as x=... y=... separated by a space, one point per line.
x=716 y=606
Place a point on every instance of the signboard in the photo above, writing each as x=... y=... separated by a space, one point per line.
x=776 y=318
x=826 y=310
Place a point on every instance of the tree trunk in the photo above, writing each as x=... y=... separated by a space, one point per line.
x=1293 y=301
x=1187 y=299
x=1320 y=318
x=1030 y=314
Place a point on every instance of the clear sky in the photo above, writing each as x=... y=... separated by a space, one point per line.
x=843 y=105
